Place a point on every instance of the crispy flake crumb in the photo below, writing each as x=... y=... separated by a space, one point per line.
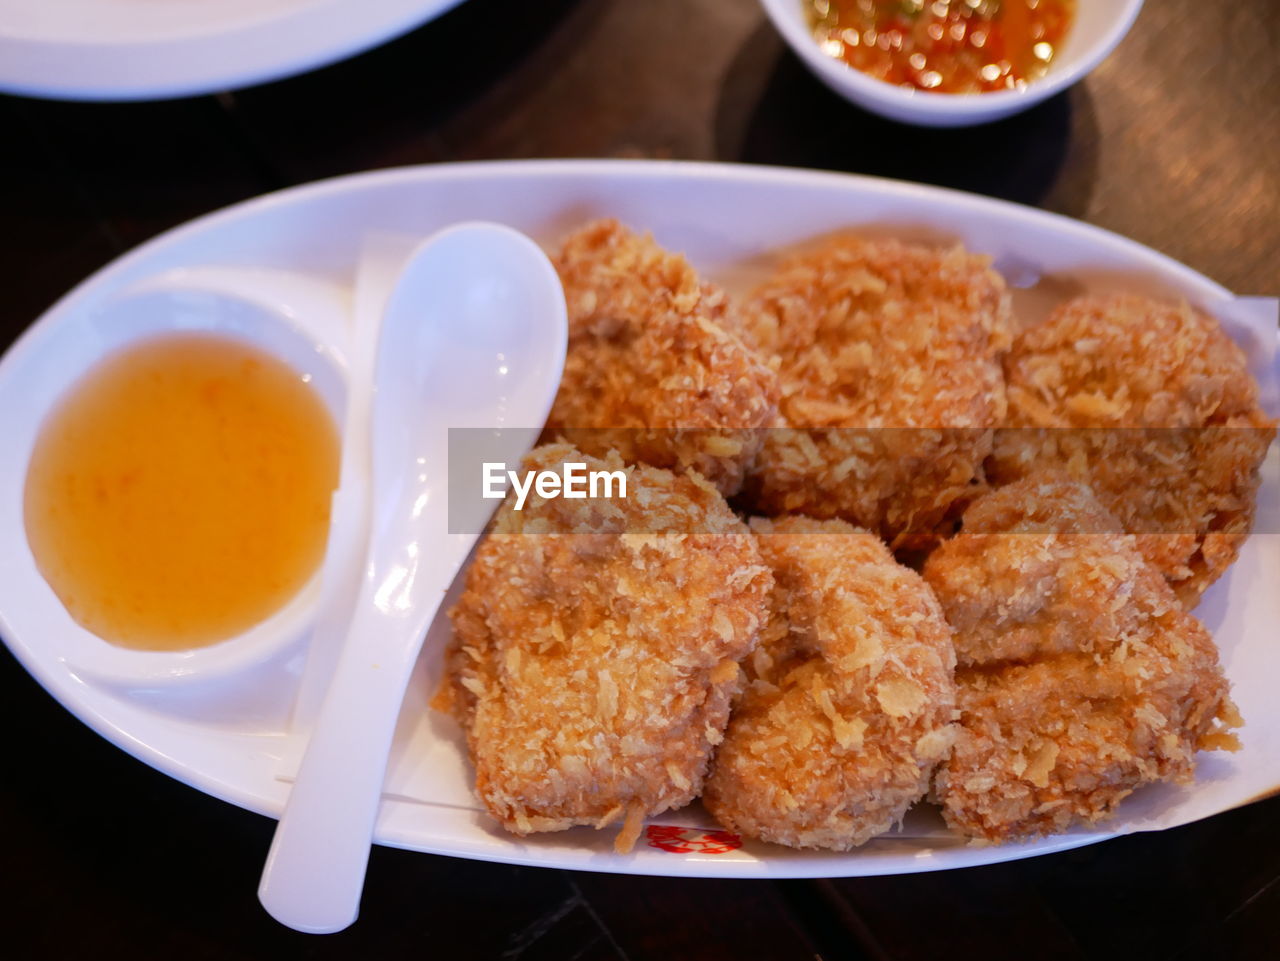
x=607 y=696
x=900 y=697
x=1038 y=769
x=631 y=828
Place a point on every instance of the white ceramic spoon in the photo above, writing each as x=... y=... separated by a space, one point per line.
x=473 y=337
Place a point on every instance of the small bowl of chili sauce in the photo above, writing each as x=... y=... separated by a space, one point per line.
x=951 y=63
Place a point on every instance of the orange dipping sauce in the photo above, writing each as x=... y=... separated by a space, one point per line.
x=179 y=494
x=946 y=46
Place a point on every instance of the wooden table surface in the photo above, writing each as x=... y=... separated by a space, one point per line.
x=1175 y=142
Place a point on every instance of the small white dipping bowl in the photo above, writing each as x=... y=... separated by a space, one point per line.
x=292 y=317
x=1099 y=25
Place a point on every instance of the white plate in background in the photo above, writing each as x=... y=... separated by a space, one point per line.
x=231 y=740
x=154 y=49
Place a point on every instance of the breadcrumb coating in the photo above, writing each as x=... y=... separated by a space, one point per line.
x=850 y=696
x=875 y=335
x=1080 y=676
x=1042 y=669
x=655 y=368
x=1153 y=405
x=596 y=648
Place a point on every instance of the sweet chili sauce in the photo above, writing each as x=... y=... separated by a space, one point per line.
x=179 y=492
x=945 y=46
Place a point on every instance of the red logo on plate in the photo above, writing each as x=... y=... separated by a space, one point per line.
x=667 y=837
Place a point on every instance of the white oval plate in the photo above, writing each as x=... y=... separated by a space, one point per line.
x=232 y=741
x=148 y=50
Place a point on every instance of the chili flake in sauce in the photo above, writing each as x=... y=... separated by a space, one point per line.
x=946 y=46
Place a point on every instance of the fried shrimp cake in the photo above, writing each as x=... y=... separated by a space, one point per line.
x=655 y=368
x=1080 y=677
x=1153 y=406
x=596 y=648
x=889 y=360
x=850 y=696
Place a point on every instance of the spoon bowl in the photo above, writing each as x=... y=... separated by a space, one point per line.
x=473 y=336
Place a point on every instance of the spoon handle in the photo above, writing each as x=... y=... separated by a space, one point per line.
x=316 y=866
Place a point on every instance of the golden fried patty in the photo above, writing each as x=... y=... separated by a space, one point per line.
x=850 y=694
x=1080 y=676
x=655 y=369
x=597 y=646
x=888 y=356
x=1153 y=406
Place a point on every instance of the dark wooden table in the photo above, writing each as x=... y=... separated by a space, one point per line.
x=1175 y=142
